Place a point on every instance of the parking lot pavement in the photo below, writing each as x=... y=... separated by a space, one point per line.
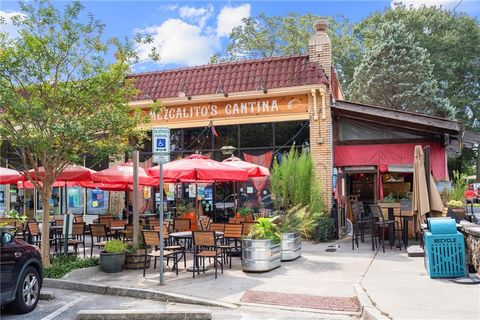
x=67 y=303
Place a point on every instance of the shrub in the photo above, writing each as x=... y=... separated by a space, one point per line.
x=324 y=230
x=115 y=246
x=460 y=184
x=63 y=264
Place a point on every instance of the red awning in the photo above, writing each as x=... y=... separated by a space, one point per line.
x=383 y=155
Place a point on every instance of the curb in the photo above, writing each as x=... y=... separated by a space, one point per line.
x=369 y=310
x=141 y=314
x=133 y=293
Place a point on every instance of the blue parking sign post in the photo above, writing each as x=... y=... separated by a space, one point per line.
x=161 y=155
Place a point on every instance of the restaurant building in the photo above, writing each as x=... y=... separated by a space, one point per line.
x=259 y=109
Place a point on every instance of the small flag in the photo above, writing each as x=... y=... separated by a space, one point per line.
x=214 y=132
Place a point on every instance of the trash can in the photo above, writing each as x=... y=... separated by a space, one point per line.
x=444 y=249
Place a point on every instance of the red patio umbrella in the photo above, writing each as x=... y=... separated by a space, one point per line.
x=123 y=174
x=28 y=185
x=253 y=169
x=198 y=168
x=70 y=173
x=9 y=176
x=106 y=186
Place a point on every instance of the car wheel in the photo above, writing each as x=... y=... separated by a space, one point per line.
x=28 y=291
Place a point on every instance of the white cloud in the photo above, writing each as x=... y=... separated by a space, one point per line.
x=7 y=24
x=445 y=4
x=179 y=42
x=197 y=15
x=191 y=39
x=230 y=17
x=168 y=7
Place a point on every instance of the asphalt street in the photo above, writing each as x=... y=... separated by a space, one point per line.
x=67 y=303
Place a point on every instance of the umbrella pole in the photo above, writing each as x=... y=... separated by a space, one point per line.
x=234 y=198
x=427 y=173
x=136 y=221
x=196 y=197
x=66 y=198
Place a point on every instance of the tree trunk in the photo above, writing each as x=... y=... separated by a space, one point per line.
x=478 y=163
x=46 y=193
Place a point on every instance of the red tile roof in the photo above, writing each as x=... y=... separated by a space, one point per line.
x=234 y=76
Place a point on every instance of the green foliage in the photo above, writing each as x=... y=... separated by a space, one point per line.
x=60 y=100
x=459 y=186
x=265 y=229
x=309 y=221
x=292 y=182
x=245 y=212
x=396 y=72
x=297 y=194
x=17 y=216
x=452 y=40
x=288 y=221
x=455 y=204
x=63 y=264
x=115 y=246
x=325 y=229
x=186 y=207
x=390 y=198
x=268 y=36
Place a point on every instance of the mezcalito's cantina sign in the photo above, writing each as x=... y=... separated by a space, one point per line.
x=231 y=109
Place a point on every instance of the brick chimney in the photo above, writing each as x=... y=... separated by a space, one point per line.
x=321 y=144
x=320 y=46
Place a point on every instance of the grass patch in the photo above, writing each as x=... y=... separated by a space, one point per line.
x=63 y=264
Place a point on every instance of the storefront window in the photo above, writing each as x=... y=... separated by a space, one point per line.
x=176 y=140
x=227 y=136
x=75 y=196
x=288 y=133
x=196 y=139
x=97 y=201
x=256 y=135
x=54 y=201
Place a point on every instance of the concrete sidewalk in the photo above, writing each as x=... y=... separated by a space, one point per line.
x=399 y=286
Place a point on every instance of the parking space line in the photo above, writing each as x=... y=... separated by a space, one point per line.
x=62 y=309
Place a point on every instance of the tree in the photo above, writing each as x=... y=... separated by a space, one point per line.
x=453 y=43
x=396 y=73
x=268 y=36
x=59 y=99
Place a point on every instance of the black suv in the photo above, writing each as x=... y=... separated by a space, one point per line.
x=20 y=272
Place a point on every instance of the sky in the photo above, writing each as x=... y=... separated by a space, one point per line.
x=187 y=33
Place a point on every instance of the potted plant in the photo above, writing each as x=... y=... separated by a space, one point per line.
x=112 y=258
x=456 y=209
x=246 y=214
x=188 y=211
x=261 y=248
x=135 y=258
x=289 y=226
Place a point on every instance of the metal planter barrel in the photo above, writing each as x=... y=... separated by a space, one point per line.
x=260 y=255
x=291 y=246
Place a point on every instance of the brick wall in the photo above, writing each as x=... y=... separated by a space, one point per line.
x=321 y=144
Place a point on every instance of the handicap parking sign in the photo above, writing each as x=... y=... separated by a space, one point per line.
x=161 y=140
x=161 y=143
